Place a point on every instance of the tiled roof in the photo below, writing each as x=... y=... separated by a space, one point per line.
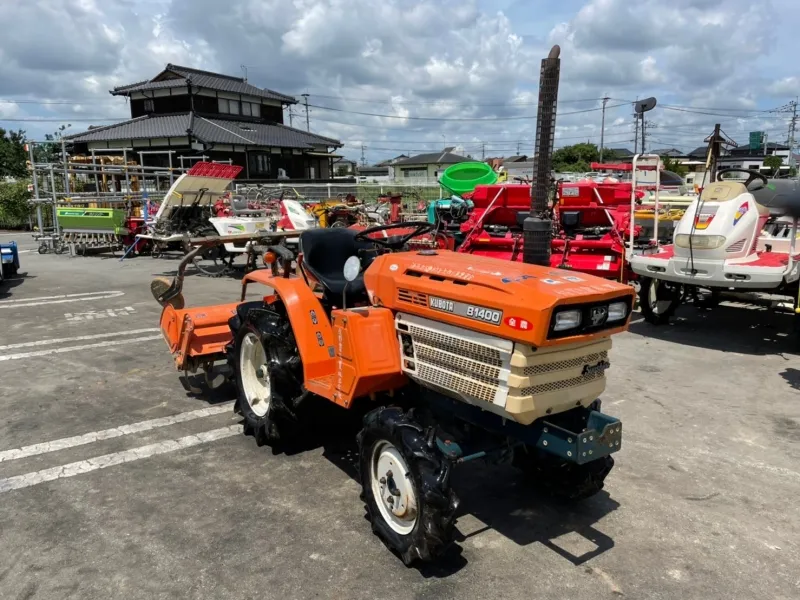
x=136 y=129
x=204 y=79
x=223 y=131
x=218 y=131
x=437 y=158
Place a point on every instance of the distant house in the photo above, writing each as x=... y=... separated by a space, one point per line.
x=426 y=166
x=617 y=154
x=185 y=112
x=344 y=167
x=391 y=161
x=375 y=173
x=670 y=152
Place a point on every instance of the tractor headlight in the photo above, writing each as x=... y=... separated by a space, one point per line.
x=567 y=319
x=617 y=311
x=699 y=241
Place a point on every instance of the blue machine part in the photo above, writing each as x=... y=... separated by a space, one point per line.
x=442 y=204
x=9 y=254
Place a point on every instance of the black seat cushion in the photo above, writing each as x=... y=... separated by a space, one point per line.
x=324 y=253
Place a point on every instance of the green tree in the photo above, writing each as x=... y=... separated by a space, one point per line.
x=50 y=150
x=774 y=162
x=670 y=164
x=12 y=154
x=575 y=158
x=14 y=207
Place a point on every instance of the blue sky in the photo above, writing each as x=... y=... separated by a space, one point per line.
x=706 y=61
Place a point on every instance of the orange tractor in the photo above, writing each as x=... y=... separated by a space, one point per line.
x=452 y=357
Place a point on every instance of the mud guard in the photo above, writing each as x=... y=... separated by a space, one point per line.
x=310 y=324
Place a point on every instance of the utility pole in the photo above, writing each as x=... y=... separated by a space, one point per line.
x=363 y=156
x=603 y=127
x=483 y=150
x=792 y=131
x=715 y=140
x=291 y=115
x=308 y=125
x=518 y=145
x=645 y=126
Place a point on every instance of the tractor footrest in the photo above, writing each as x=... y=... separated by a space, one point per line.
x=601 y=436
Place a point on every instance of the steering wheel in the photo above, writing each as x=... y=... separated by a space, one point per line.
x=395 y=242
x=753 y=175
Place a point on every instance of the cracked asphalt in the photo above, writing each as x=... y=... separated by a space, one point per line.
x=115 y=482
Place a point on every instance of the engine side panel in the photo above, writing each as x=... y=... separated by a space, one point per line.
x=367 y=354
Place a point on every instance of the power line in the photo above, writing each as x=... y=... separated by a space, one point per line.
x=489 y=119
x=63 y=119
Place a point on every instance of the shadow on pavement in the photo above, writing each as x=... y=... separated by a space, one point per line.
x=12 y=282
x=744 y=329
x=498 y=496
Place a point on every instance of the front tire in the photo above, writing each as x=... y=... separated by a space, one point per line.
x=405 y=485
x=658 y=300
x=266 y=365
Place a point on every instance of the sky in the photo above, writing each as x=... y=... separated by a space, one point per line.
x=428 y=73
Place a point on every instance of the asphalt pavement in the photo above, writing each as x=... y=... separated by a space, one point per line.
x=115 y=482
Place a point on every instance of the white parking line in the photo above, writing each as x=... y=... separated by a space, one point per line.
x=44 y=300
x=107 y=434
x=77 y=338
x=20 y=355
x=117 y=458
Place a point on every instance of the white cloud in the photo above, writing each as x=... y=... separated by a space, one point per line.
x=433 y=58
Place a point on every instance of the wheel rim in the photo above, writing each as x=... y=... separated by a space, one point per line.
x=393 y=488
x=658 y=306
x=254 y=375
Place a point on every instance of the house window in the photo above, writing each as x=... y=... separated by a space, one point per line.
x=149 y=105
x=228 y=107
x=246 y=111
x=259 y=164
x=256 y=110
x=416 y=172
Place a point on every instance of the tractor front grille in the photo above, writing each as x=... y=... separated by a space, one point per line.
x=517 y=381
x=561 y=365
x=437 y=339
x=561 y=384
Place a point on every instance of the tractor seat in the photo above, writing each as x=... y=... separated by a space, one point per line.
x=324 y=253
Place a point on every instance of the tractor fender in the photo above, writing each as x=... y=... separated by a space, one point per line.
x=310 y=324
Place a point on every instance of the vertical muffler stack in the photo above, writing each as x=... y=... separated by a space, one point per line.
x=538 y=226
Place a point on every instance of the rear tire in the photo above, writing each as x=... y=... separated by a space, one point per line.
x=265 y=362
x=658 y=300
x=568 y=482
x=405 y=485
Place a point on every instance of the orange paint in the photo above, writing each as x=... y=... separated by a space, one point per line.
x=192 y=333
x=367 y=354
x=406 y=282
x=314 y=341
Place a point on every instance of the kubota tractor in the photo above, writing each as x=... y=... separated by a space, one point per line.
x=452 y=357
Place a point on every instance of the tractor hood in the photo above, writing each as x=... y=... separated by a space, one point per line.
x=509 y=300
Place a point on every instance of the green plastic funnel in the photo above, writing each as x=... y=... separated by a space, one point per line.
x=462 y=178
